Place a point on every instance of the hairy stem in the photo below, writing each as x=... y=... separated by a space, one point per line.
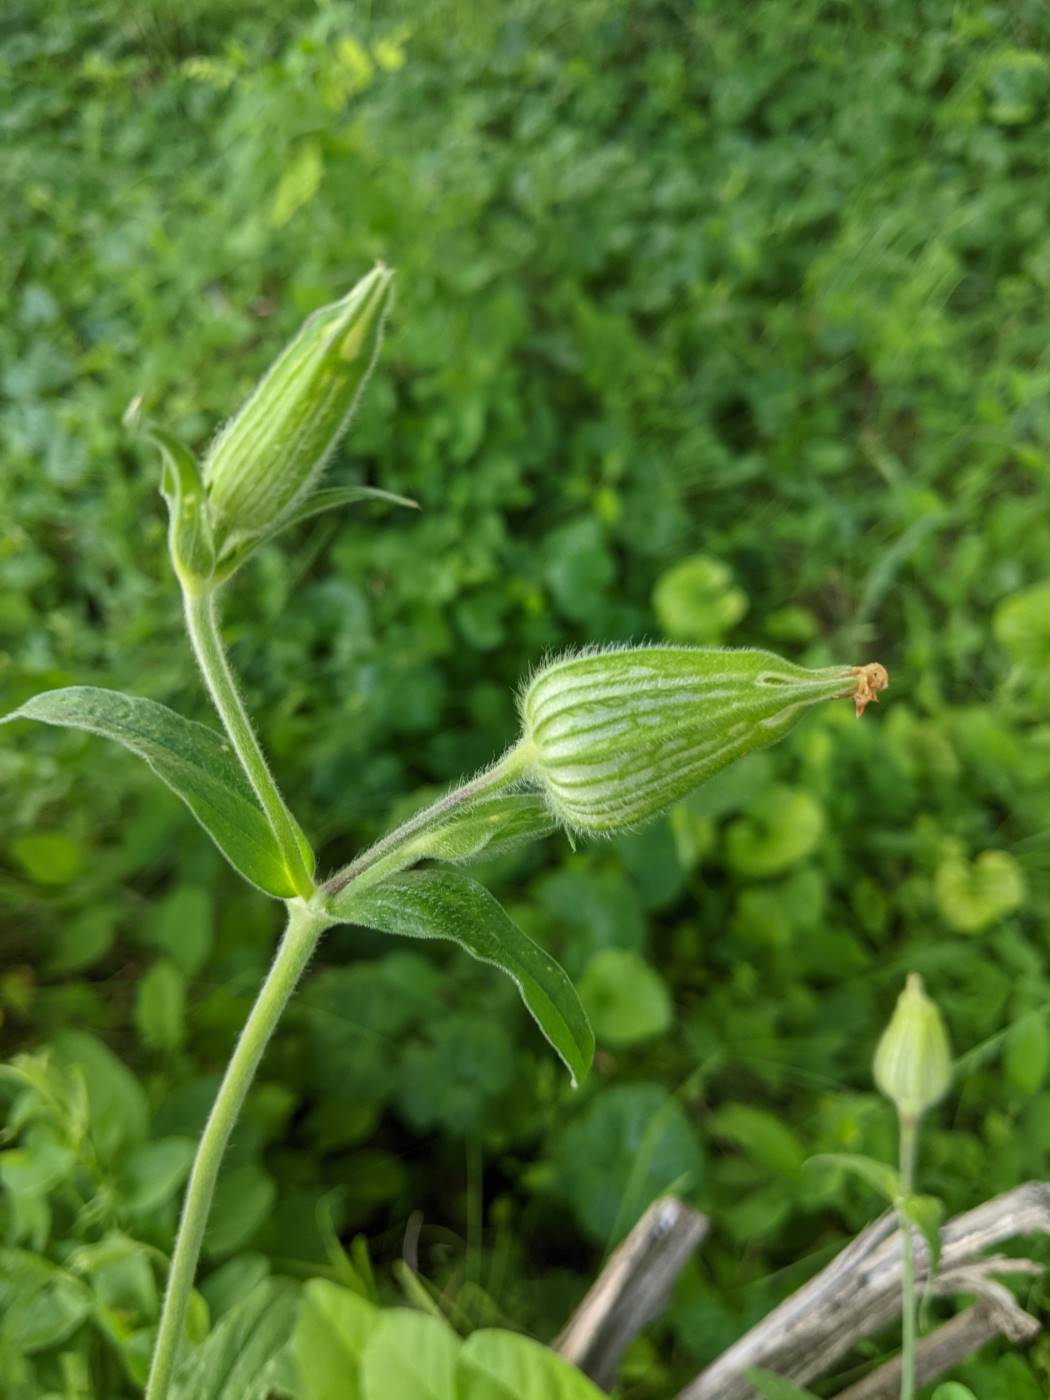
x=505 y=773
x=304 y=928
x=908 y=1134
x=203 y=627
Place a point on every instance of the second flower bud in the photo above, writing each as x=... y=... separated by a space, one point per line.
x=615 y=737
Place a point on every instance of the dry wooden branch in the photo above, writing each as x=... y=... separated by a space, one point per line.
x=859 y=1293
x=951 y=1343
x=632 y=1289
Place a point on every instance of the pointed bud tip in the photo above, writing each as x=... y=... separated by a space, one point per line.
x=271 y=453
x=913 y=1062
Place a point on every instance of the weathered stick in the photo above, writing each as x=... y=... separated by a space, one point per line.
x=951 y=1343
x=631 y=1290
x=859 y=1293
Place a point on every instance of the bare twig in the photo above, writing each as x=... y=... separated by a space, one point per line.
x=859 y=1293
x=632 y=1289
x=951 y=1343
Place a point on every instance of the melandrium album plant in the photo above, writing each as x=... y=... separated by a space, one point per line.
x=913 y=1069
x=608 y=740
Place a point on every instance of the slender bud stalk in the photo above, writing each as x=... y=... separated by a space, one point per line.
x=912 y=1068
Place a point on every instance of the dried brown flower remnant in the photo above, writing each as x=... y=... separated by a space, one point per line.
x=871 y=678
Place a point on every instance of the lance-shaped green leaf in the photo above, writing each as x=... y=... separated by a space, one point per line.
x=447 y=904
x=927 y=1213
x=487 y=828
x=193 y=760
x=880 y=1176
x=334 y=498
x=246 y=1357
x=492 y=826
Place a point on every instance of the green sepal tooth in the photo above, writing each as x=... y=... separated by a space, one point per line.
x=190 y=537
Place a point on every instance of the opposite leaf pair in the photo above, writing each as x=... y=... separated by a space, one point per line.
x=609 y=740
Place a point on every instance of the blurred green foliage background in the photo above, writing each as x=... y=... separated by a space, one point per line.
x=719 y=323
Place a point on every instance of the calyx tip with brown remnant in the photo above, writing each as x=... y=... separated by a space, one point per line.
x=871 y=678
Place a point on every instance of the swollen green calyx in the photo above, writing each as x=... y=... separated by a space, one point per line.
x=615 y=737
x=270 y=455
x=913 y=1061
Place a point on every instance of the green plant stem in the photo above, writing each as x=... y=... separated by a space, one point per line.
x=908 y=1135
x=507 y=771
x=203 y=627
x=305 y=926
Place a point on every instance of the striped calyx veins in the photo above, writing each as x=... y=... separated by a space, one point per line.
x=614 y=737
x=270 y=455
x=913 y=1062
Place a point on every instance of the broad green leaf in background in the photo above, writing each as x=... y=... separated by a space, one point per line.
x=761 y=1136
x=300 y=181
x=971 y=896
x=952 y=1390
x=118 y=1103
x=773 y=1387
x=153 y=1172
x=243 y=1356
x=48 y=857
x=84 y=940
x=446 y=904
x=1026 y=1055
x=193 y=760
x=781 y=828
x=180 y=925
x=244 y=1198
x=1022 y=626
x=160 y=1007
x=625 y=999
x=334 y=1327
x=122 y=1276
x=630 y=1144
x=498 y=1365
x=697 y=601
x=233 y=1280
x=460 y=1066
x=43 y=1304
x=409 y=1354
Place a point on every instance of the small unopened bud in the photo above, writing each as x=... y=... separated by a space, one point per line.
x=272 y=453
x=615 y=737
x=913 y=1062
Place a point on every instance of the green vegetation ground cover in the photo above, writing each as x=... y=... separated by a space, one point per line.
x=717 y=324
